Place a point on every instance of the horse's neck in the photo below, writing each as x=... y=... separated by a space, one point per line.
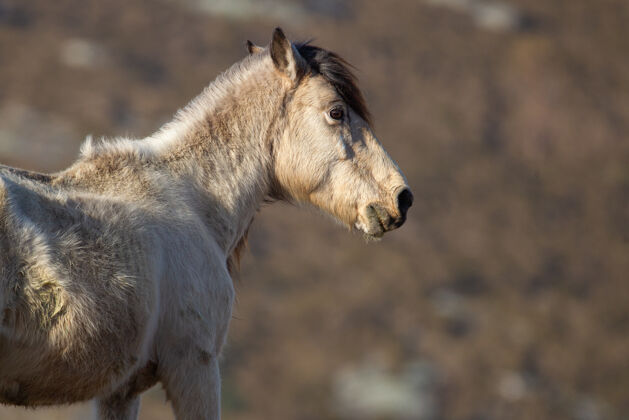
x=226 y=155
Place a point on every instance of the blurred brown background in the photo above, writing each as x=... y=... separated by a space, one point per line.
x=506 y=294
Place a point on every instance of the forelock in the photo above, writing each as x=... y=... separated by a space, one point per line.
x=338 y=73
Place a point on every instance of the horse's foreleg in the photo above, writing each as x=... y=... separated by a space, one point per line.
x=124 y=403
x=193 y=386
x=192 y=334
x=117 y=407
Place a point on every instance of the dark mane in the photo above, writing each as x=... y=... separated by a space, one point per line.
x=336 y=71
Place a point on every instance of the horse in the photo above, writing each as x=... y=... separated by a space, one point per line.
x=115 y=273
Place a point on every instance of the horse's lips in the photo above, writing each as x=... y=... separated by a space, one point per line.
x=373 y=228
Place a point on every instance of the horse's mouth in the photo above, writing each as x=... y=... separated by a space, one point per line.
x=375 y=223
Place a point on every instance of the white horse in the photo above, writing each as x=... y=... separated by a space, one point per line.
x=115 y=273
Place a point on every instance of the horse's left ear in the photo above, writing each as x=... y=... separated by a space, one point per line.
x=253 y=48
x=286 y=57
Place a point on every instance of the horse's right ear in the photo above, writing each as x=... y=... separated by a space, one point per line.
x=253 y=48
x=286 y=57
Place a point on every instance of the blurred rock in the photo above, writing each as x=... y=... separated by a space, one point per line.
x=272 y=9
x=495 y=16
x=249 y=9
x=371 y=391
x=78 y=52
x=512 y=386
x=486 y=14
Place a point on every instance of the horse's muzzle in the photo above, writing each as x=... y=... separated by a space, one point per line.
x=381 y=221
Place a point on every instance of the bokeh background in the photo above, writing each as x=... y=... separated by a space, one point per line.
x=506 y=294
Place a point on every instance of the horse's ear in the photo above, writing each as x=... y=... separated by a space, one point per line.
x=286 y=57
x=253 y=48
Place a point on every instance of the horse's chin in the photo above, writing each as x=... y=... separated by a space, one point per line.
x=372 y=231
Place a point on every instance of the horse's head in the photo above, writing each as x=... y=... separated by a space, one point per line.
x=327 y=154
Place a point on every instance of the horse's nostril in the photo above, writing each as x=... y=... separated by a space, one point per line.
x=404 y=201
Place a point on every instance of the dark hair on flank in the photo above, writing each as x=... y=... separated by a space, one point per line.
x=336 y=71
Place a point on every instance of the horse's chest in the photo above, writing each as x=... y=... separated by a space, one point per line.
x=36 y=391
x=52 y=383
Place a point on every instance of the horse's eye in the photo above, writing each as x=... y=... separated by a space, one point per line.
x=336 y=113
